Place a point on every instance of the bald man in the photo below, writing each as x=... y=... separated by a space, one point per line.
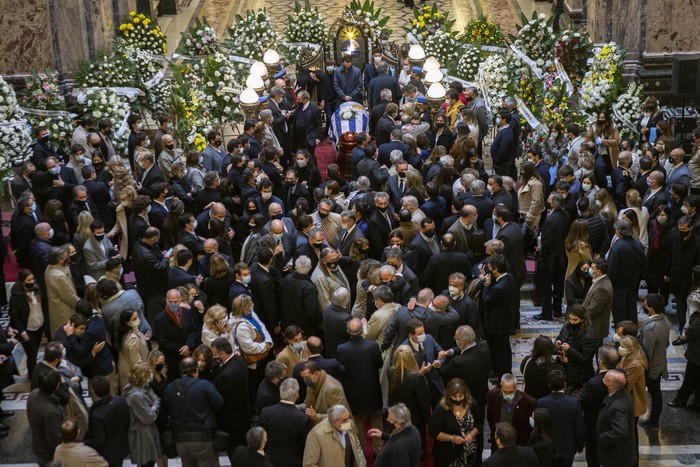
x=470 y=239
x=676 y=170
x=616 y=425
x=276 y=211
x=167 y=156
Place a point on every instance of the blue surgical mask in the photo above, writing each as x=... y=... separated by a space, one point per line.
x=532 y=422
x=509 y=397
x=420 y=339
x=298 y=346
x=591 y=273
x=246 y=279
x=34 y=207
x=309 y=383
x=51 y=234
x=121 y=271
x=174 y=307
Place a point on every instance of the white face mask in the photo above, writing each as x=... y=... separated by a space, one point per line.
x=302 y=163
x=266 y=195
x=616 y=337
x=623 y=351
x=454 y=291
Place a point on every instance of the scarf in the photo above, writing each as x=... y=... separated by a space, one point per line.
x=254 y=322
x=655 y=243
x=312 y=393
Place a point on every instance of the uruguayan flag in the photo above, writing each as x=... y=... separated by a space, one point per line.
x=350 y=116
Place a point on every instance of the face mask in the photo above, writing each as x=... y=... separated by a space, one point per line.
x=148 y=143
x=575 y=326
x=318 y=246
x=330 y=69
x=291 y=184
x=246 y=279
x=458 y=402
x=298 y=346
x=159 y=367
x=309 y=383
x=34 y=207
x=498 y=121
x=332 y=265
x=420 y=339
x=623 y=351
x=591 y=273
x=601 y=122
x=201 y=159
x=401 y=174
x=302 y=163
x=661 y=219
x=169 y=126
x=51 y=234
x=382 y=210
x=54 y=170
x=148 y=209
x=684 y=209
x=100 y=237
x=454 y=291
x=440 y=124
x=266 y=195
x=277 y=236
x=139 y=126
x=532 y=422
x=174 y=307
x=406 y=67
x=474 y=160
x=347 y=426
x=136 y=323
x=586 y=186
x=218 y=143
x=430 y=233
x=377 y=59
x=322 y=215
x=617 y=337
x=598 y=203
x=277 y=216
x=121 y=271
x=554 y=134
x=509 y=397
x=344 y=226
x=46 y=138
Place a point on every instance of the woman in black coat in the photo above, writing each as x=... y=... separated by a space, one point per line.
x=542 y=439
x=454 y=426
x=409 y=386
x=181 y=187
x=309 y=175
x=577 y=345
x=661 y=229
x=577 y=284
x=535 y=367
x=441 y=135
x=217 y=285
x=25 y=303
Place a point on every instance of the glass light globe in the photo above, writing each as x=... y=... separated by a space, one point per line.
x=433 y=76
x=436 y=91
x=248 y=97
x=271 y=57
x=255 y=82
x=416 y=52
x=258 y=68
x=431 y=63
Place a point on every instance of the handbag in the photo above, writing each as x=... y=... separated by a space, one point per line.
x=251 y=358
x=524 y=371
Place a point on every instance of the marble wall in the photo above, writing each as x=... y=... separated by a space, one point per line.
x=56 y=34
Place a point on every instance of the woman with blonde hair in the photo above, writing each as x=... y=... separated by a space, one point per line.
x=220 y=279
x=606 y=208
x=605 y=135
x=144 y=440
x=433 y=159
x=634 y=203
x=415 y=186
x=133 y=347
x=531 y=196
x=121 y=226
x=253 y=340
x=454 y=425
x=576 y=245
x=82 y=233
x=409 y=386
x=216 y=324
x=635 y=364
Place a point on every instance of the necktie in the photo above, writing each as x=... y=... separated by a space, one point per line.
x=35 y=218
x=343 y=237
x=388 y=220
x=326 y=232
x=402 y=186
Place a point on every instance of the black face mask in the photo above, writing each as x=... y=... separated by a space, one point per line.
x=159 y=367
x=218 y=143
x=291 y=184
x=100 y=237
x=332 y=265
x=170 y=146
x=575 y=327
x=45 y=139
x=458 y=402
x=601 y=122
x=430 y=233
x=318 y=246
x=440 y=124
x=322 y=215
x=401 y=174
x=382 y=210
x=277 y=216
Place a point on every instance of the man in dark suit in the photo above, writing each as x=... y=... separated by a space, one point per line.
x=379 y=109
x=43 y=148
x=252 y=455
x=81 y=202
x=483 y=204
x=625 y=264
x=567 y=418
x=180 y=276
x=655 y=195
x=372 y=169
x=622 y=179
x=382 y=81
x=441 y=265
x=175 y=331
x=504 y=147
x=422 y=248
x=38 y=250
x=99 y=193
x=508 y=453
x=534 y=154
x=293 y=190
x=300 y=298
x=210 y=193
x=469 y=360
x=187 y=235
x=598 y=236
x=616 y=426
x=307 y=124
x=394 y=144
x=286 y=427
x=160 y=205
x=312 y=248
x=350 y=231
x=264 y=289
x=150 y=173
x=63 y=181
x=151 y=268
x=268 y=392
x=641 y=184
x=232 y=383
x=426 y=351
x=512 y=237
x=379 y=226
x=23 y=182
x=552 y=259
x=386 y=123
x=499 y=292
x=592 y=395
x=108 y=432
x=517 y=405
x=599 y=299
x=335 y=318
x=363 y=362
x=329 y=365
x=268 y=156
x=22 y=224
x=280 y=113
x=397 y=184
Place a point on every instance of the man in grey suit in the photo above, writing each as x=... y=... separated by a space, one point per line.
x=599 y=299
x=97 y=250
x=616 y=427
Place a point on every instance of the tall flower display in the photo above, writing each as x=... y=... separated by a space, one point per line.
x=483 y=31
x=15 y=139
x=444 y=47
x=251 y=36
x=468 y=65
x=573 y=49
x=104 y=103
x=306 y=25
x=200 y=39
x=370 y=18
x=42 y=93
x=626 y=111
x=602 y=81
x=497 y=77
x=428 y=20
x=536 y=40
x=139 y=31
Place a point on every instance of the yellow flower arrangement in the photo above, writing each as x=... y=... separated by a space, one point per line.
x=139 y=31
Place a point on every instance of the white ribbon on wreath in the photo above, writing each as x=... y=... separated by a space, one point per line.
x=564 y=77
x=123 y=127
x=534 y=123
x=157 y=78
x=129 y=93
x=47 y=113
x=623 y=119
x=238 y=59
x=11 y=123
x=192 y=136
x=482 y=88
x=528 y=61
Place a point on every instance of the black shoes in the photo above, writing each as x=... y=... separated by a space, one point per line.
x=6 y=414
x=680 y=341
x=676 y=403
x=542 y=318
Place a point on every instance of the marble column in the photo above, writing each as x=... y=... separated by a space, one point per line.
x=40 y=35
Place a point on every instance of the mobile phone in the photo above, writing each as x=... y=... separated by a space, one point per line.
x=169 y=251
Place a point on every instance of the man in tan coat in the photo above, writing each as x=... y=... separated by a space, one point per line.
x=386 y=309
x=324 y=391
x=598 y=301
x=327 y=277
x=333 y=442
x=72 y=451
x=60 y=289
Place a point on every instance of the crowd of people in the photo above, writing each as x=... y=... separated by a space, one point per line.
x=282 y=315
